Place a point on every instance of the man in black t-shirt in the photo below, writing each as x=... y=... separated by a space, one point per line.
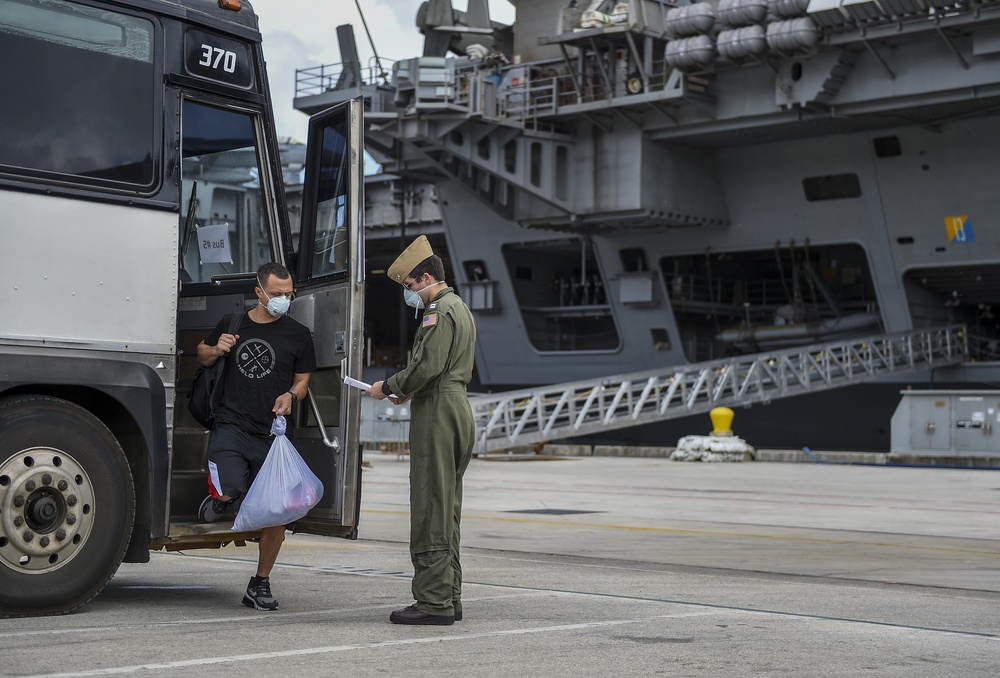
x=268 y=362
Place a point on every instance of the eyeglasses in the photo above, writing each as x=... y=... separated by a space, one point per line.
x=409 y=285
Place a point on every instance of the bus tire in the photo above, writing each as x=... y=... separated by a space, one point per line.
x=67 y=505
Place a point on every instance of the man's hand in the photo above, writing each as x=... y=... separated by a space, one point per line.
x=376 y=390
x=283 y=404
x=377 y=393
x=226 y=342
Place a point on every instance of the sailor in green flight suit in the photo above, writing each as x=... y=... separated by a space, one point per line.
x=442 y=432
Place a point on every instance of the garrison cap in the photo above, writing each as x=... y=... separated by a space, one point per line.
x=411 y=257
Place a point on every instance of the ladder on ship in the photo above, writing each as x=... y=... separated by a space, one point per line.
x=545 y=413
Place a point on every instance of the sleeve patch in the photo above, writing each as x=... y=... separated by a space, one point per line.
x=430 y=320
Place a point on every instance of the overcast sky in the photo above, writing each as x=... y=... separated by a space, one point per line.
x=303 y=34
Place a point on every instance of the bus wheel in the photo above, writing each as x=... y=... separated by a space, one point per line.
x=66 y=506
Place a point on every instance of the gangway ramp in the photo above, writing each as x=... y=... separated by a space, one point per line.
x=545 y=413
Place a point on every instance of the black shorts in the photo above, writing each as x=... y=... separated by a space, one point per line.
x=234 y=458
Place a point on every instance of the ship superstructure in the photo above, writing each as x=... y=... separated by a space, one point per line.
x=628 y=186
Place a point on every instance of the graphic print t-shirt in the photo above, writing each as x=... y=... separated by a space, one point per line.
x=259 y=368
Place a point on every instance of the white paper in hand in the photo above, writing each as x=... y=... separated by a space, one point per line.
x=350 y=381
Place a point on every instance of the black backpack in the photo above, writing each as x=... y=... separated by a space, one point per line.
x=206 y=391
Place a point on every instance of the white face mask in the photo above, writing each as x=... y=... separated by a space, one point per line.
x=412 y=298
x=276 y=306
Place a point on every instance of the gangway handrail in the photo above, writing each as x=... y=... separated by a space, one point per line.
x=530 y=416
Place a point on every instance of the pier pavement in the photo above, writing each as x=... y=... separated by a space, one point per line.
x=586 y=566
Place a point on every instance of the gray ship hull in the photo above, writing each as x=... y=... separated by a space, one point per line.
x=632 y=186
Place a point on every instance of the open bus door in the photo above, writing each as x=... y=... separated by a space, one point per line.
x=329 y=272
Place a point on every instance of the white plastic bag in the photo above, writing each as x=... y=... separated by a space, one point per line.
x=284 y=489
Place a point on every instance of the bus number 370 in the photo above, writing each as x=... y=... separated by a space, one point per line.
x=228 y=59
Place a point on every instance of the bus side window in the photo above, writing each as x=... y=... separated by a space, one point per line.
x=56 y=55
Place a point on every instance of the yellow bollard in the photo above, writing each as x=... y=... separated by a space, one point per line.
x=722 y=420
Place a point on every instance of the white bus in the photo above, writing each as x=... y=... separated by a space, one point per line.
x=140 y=190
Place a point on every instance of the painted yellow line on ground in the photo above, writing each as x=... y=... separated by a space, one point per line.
x=709 y=533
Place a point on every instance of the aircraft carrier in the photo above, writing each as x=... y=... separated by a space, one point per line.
x=644 y=201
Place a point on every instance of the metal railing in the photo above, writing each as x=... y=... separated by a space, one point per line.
x=531 y=416
x=319 y=79
x=469 y=89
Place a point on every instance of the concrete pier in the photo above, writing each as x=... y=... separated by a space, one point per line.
x=586 y=565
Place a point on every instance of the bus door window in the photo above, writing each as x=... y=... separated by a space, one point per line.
x=330 y=247
x=224 y=222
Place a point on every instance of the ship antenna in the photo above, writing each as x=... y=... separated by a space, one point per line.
x=378 y=64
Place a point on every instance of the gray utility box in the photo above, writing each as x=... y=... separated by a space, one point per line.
x=951 y=422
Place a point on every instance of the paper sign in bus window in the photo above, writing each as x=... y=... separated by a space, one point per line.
x=338 y=252
x=213 y=244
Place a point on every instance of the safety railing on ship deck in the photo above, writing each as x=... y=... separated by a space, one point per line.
x=325 y=78
x=531 y=416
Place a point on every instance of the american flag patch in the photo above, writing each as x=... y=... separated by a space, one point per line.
x=430 y=320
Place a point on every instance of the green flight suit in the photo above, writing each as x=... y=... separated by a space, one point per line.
x=442 y=434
